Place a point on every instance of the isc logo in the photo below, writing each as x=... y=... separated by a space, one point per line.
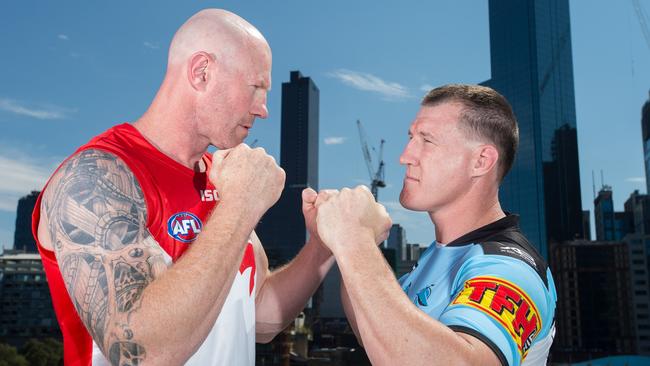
x=209 y=195
x=184 y=226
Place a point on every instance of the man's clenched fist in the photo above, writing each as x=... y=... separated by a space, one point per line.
x=248 y=178
x=351 y=216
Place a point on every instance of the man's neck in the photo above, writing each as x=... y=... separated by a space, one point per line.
x=160 y=129
x=453 y=222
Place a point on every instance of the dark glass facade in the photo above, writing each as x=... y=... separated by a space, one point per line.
x=610 y=225
x=530 y=43
x=595 y=311
x=645 y=131
x=282 y=230
x=25 y=304
x=586 y=224
x=23 y=238
x=637 y=211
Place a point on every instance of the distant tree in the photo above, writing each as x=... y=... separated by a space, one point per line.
x=46 y=352
x=10 y=357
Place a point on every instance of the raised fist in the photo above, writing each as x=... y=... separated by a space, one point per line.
x=310 y=203
x=351 y=216
x=247 y=178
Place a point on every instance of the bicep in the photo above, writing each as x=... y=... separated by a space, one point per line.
x=97 y=222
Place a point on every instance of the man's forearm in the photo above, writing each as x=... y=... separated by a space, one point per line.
x=393 y=330
x=199 y=281
x=350 y=313
x=286 y=291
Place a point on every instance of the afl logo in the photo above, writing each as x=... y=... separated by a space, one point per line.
x=184 y=226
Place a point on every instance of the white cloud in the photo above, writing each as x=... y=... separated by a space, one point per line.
x=635 y=180
x=153 y=46
x=22 y=174
x=368 y=82
x=34 y=111
x=334 y=140
x=63 y=37
x=426 y=87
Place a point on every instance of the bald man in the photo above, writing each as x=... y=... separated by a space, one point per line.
x=148 y=242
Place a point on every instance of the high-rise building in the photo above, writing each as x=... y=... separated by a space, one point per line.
x=645 y=133
x=637 y=212
x=282 y=229
x=25 y=304
x=610 y=225
x=23 y=238
x=397 y=241
x=532 y=66
x=604 y=214
x=586 y=224
x=639 y=254
x=595 y=311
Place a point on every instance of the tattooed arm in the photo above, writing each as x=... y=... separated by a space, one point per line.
x=135 y=308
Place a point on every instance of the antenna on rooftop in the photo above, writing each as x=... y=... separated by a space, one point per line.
x=593 y=183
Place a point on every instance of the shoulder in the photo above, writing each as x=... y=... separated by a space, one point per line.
x=90 y=193
x=504 y=300
x=106 y=170
x=513 y=244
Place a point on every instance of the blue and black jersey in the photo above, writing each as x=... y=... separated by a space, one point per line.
x=492 y=284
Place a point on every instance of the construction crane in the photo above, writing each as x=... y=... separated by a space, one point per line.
x=643 y=18
x=376 y=176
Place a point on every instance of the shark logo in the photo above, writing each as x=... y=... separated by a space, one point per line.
x=422 y=297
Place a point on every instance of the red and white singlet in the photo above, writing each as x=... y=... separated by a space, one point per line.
x=178 y=201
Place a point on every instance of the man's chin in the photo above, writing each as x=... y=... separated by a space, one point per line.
x=405 y=201
x=223 y=145
x=410 y=203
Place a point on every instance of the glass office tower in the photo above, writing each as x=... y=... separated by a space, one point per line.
x=530 y=47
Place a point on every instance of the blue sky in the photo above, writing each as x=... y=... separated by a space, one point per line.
x=71 y=69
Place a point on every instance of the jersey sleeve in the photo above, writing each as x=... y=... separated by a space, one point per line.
x=501 y=301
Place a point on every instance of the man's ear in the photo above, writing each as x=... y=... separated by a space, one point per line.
x=197 y=70
x=485 y=161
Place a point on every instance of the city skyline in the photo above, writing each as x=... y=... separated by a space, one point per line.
x=78 y=83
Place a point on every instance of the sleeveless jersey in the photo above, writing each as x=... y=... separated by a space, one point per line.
x=178 y=202
x=492 y=284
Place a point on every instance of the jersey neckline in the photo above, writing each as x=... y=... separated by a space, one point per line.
x=130 y=128
x=510 y=221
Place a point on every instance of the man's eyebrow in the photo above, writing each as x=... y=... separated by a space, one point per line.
x=427 y=134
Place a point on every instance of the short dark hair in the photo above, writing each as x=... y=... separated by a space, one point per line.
x=486 y=115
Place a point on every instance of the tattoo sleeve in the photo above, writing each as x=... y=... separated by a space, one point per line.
x=97 y=222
